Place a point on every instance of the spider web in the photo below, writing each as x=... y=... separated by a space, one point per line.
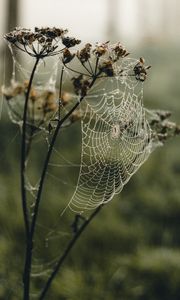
x=116 y=140
x=44 y=80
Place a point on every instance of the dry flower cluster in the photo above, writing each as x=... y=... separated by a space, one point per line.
x=41 y=42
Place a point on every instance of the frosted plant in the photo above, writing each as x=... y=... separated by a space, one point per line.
x=105 y=92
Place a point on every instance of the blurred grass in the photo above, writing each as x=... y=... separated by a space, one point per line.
x=132 y=250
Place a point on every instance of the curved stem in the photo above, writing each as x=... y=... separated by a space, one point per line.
x=83 y=64
x=90 y=67
x=60 y=94
x=23 y=151
x=26 y=278
x=67 y=251
x=96 y=66
x=29 y=250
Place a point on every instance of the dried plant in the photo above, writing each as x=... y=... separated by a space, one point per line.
x=38 y=109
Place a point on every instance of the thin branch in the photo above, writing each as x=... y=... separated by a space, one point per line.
x=30 y=140
x=60 y=94
x=90 y=67
x=96 y=66
x=23 y=151
x=23 y=183
x=83 y=64
x=77 y=71
x=69 y=247
x=19 y=48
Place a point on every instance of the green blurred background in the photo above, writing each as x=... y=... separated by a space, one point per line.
x=132 y=250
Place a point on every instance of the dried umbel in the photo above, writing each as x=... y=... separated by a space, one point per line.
x=102 y=50
x=100 y=61
x=162 y=127
x=42 y=104
x=87 y=64
x=41 y=42
x=15 y=89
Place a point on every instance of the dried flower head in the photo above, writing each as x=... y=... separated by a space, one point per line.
x=101 y=49
x=49 y=102
x=97 y=61
x=42 y=104
x=41 y=42
x=67 y=56
x=65 y=98
x=140 y=70
x=118 y=51
x=85 y=53
x=70 y=41
x=13 y=90
x=162 y=127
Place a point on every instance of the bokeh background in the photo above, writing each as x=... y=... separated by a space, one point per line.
x=132 y=250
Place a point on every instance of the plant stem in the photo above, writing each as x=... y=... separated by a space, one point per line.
x=39 y=193
x=26 y=280
x=96 y=66
x=30 y=140
x=60 y=94
x=23 y=152
x=67 y=251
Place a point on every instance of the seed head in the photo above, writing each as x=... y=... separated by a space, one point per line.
x=67 y=56
x=41 y=42
x=70 y=41
x=85 y=53
x=140 y=70
x=101 y=49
